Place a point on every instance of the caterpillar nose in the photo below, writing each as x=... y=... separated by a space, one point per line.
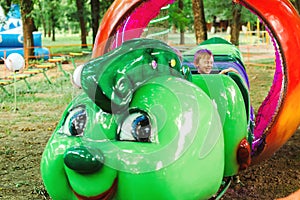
x=84 y=160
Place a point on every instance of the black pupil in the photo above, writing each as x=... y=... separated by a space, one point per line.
x=78 y=122
x=141 y=129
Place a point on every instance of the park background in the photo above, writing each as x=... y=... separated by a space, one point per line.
x=26 y=126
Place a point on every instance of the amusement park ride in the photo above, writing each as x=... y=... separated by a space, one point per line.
x=146 y=127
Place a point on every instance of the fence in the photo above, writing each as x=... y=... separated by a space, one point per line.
x=68 y=50
x=256 y=47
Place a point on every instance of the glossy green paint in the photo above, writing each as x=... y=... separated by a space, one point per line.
x=112 y=79
x=99 y=126
x=92 y=184
x=230 y=103
x=84 y=160
x=184 y=157
x=179 y=154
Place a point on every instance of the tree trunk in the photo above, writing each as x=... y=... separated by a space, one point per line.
x=165 y=24
x=199 y=21
x=53 y=19
x=49 y=31
x=180 y=6
x=53 y=26
x=28 y=28
x=236 y=24
x=42 y=18
x=95 y=8
x=297 y=5
x=80 y=11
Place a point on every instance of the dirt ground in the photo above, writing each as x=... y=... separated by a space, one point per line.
x=24 y=134
x=274 y=178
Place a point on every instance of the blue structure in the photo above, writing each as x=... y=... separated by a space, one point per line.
x=11 y=35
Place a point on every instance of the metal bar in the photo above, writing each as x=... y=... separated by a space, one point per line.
x=5 y=91
x=47 y=78
x=61 y=69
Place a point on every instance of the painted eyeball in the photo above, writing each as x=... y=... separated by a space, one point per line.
x=76 y=79
x=75 y=122
x=173 y=63
x=136 y=127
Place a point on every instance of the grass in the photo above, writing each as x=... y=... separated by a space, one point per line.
x=58 y=94
x=41 y=99
x=260 y=79
x=64 y=44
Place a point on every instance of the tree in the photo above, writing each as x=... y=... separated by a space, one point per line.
x=97 y=13
x=181 y=17
x=234 y=13
x=28 y=28
x=95 y=8
x=6 y=5
x=46 y=15
x=52 y=17
x=41 y=16
x=180 y=6
x=199 y=21
x=236 y=23
x=104 y=5
x=296 y=3
x=82 y=22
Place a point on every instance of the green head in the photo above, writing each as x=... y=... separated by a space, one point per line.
x=139 y=130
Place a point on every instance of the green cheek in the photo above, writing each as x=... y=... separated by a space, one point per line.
x=53 y=172
x=187 y=161
x=91 y=184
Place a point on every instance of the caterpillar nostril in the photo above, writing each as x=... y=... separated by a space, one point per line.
x=84 y=160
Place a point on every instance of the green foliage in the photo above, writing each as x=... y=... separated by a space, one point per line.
x=64 y=13
x=104 y=5
x=5 y=5
x=181 y=18
x=72 y=14
x=223 y=10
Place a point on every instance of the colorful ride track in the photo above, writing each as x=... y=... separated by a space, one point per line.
x=279 y=115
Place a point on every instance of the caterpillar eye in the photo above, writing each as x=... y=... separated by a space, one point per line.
x=75 y=122
x=136 y=127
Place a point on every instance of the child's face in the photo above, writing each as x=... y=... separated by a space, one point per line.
x=205 y=64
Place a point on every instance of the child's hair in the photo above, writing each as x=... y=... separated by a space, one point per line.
x=201 y=53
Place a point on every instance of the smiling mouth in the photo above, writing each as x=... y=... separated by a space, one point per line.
x=108 y=194
x=207 y=69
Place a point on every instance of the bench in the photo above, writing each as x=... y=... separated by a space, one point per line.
x=24 y=75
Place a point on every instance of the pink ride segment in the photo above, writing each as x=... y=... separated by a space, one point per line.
x=279 y=114
x=125 y=16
